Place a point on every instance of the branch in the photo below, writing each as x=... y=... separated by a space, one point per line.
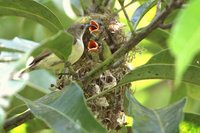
x=166 y=26
x=130 y=45
x=17 y=120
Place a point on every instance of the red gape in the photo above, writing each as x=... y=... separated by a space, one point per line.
x=92 y=46
x=94 y=26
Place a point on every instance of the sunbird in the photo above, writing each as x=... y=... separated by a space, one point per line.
x=50 y=61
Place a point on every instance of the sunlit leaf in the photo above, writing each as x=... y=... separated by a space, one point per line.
x=184 y=41
x=188 y=127
x=32 y=10
x=155 y=121
x=19 y=129
x=141 y=11
x=191 y=123
x=66 y=111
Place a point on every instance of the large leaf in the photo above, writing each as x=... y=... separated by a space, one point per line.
x=60 y=44
x=42 y=80
x=32 y=10
x=161 y=66
x=15 y=49
x=159 y=37
x=184 y=42
x=164 y=120
x=57 y=8
x=141 y=11
x=66 y=111
x=10 y=26
x=8 y=87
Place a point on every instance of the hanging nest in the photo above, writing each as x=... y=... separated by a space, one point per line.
x=108 y=109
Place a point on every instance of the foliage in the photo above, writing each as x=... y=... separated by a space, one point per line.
x=37 y=26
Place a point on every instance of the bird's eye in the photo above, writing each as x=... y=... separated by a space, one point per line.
x=82 y=26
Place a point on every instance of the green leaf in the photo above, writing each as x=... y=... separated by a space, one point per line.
x=2 y=48
x=8 y=87
x=36 y=125
x=161 y=71
x=193 y=91
x=15 y=49
x=141 y=11
x=188 y=127
x=178 y=93
x=161 y=66
x=57 y=8
x=60 y=44
x=41 y=79
x=159 y=37
x=164 y=120
x=193 y=118
x=191 y=123
x=30 y=92
x=66 y=111
x=10 y=26
x=31 y=10
x=184 y=41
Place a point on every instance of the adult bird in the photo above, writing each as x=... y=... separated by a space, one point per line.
x=49 y=60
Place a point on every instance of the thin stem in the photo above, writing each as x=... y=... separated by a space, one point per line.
x=83 y=7
x=124 y=7
x=127 y=18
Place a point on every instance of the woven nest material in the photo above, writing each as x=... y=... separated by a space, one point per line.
x=108 y=109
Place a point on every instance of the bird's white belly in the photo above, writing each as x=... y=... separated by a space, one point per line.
x=77 y=52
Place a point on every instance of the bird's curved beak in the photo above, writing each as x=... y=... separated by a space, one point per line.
x=93 y=26
x=92 y=46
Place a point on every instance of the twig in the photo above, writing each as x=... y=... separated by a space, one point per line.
x=129 y=45
x=166 y=26
x=83 y=7
x=125 y=6
x=17 y=120
x=127 y=18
